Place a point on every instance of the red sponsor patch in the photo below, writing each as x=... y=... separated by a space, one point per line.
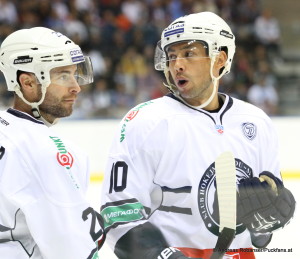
x=65 y=160
x=130 y=116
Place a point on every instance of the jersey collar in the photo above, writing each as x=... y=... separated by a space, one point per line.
x=225 y=107
x=23 y=115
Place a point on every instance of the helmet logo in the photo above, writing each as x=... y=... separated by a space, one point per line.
x=75 y=52
x=174 y=29
x=226 y=34
x=76 y=55
x=23 y=60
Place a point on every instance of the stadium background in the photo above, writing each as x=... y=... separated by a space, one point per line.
x=121 y=35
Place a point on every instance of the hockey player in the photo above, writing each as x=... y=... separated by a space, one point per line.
x=159 y=196
x=43 y=178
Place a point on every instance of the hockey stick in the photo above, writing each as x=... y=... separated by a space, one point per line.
x=226 y=191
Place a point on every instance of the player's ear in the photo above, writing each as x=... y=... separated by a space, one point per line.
x=26 y=81
x=221 y=59
x=219 y=64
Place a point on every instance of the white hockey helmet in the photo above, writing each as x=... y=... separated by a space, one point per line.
x=206 y=27
x=38 y=50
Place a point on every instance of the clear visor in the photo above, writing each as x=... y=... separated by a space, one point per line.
x=159 y=58
x=81 y=74
x=192 y=49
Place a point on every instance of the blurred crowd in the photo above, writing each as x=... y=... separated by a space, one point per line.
x=120 y=36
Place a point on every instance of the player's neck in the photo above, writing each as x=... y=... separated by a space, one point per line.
x=21 y=106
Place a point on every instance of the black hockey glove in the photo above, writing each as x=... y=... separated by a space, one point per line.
x=264 y=204
x=147 y=242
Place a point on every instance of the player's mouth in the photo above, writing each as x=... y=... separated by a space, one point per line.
x=70 y=100
x=181 y=82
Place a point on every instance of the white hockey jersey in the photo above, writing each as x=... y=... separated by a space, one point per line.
x=161 y=169
x=43 y=179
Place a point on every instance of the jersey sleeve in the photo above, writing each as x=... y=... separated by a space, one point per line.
x=270 y=160
x=61 y=228
x=129 y=193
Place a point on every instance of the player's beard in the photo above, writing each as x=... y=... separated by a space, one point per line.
x=199 y=92
x=55 y=107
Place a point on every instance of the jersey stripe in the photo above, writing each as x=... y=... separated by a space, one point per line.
x=175 y=209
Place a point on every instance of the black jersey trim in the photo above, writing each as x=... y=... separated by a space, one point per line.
x=92 y=253
x=4 y=229
x=177 y=99
x=174 y=209
x=24 y=116
x=184 y=189
x=228 y=106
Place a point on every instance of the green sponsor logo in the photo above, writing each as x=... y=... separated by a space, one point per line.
x=130 y=116
x=122 y=213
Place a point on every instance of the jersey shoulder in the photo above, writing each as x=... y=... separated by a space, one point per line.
x=244 y=108
x=148 y=120
x=38 y=154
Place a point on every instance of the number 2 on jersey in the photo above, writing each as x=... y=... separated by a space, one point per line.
x=118 y=177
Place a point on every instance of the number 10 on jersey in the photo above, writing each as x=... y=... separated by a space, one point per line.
x=118 y=177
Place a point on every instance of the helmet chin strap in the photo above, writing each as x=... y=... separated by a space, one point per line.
x=35 y=105
x=174 y=90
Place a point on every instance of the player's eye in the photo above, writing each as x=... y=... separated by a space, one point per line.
x=189 y=54
x=172 y=57
x=64 y=77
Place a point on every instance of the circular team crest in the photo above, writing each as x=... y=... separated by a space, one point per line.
x=207 y=198
x=249 y=130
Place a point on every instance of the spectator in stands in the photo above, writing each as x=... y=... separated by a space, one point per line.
x=109 y=29
x=8 y=12
x=267 y=32
x=264 y=96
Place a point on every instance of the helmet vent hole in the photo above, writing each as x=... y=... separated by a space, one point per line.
x=68 y=41
x=34 y=48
